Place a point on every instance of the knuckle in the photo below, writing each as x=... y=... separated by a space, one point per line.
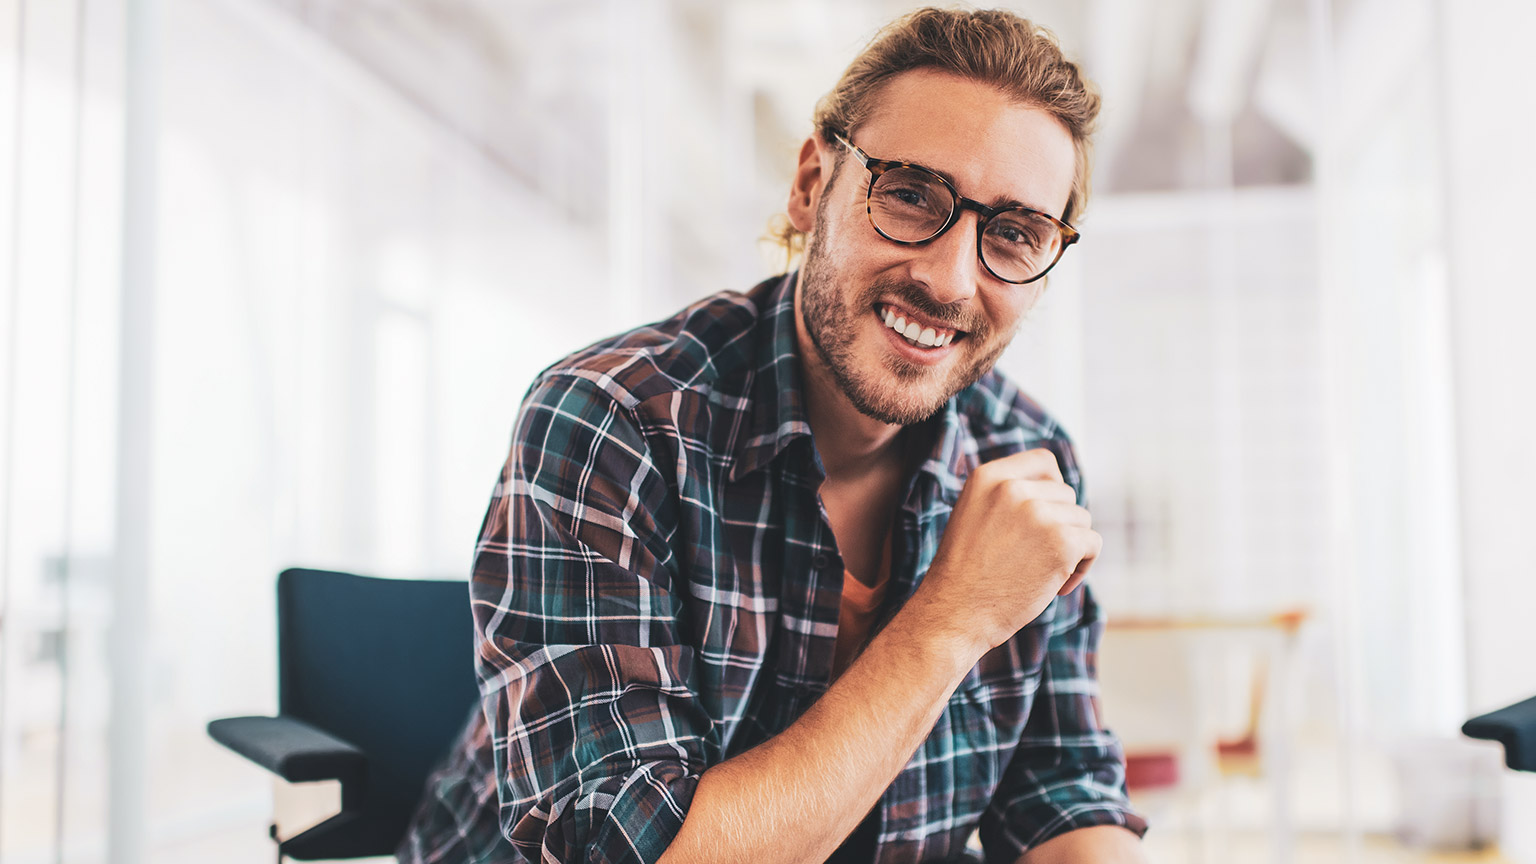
x=1057 y=540
x=1011 y=491
x=983 y=482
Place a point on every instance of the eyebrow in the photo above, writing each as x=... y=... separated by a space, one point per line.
x=996 y=205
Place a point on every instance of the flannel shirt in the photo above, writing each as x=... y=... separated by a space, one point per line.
x=656 y=589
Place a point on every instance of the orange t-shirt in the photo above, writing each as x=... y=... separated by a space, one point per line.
x=857 y=613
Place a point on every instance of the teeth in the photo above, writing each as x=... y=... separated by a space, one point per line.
x=914 y=332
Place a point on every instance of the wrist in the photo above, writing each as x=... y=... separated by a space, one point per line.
x=938 y=631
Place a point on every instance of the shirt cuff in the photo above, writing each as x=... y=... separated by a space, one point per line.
x=629 y=819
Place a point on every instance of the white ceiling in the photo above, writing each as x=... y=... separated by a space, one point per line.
x=538 y=85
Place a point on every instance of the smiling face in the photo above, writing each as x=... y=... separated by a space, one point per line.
x=857 y=287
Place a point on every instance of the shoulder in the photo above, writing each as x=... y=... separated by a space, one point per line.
x=1002 y=419
x=704 y=345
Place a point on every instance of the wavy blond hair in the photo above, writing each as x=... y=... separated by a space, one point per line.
x=990 y=46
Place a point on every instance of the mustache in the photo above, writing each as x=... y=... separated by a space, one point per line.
x=956 y=315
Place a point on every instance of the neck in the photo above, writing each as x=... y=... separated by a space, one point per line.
x=850 y=443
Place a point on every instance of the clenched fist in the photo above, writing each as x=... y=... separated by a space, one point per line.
x=1016 y=539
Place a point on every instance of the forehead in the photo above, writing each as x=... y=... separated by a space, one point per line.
x=995 y=149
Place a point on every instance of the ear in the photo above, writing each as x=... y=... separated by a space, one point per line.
x=810 y=182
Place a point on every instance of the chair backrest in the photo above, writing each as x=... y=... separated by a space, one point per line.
x=386 y=664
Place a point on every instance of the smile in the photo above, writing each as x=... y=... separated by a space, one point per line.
x=916 y=332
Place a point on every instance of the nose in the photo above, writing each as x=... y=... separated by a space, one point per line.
x=947 y=265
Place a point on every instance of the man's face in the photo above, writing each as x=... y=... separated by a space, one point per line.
x=993 y=150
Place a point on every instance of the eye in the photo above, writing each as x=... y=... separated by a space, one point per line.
x=1010 y=233
x=911 y=195
x=1015 y=230
x=910 y=191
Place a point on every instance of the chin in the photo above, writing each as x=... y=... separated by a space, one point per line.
x=889 y=404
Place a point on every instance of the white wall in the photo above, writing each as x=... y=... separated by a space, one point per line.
x=1490 y=131
x=349 y=302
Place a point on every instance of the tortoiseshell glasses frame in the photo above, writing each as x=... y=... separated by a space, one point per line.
x=1026 y=244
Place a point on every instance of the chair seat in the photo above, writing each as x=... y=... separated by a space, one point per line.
x=348 y=835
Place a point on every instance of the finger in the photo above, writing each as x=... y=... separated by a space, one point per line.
x=1063 y=513
x=1037 y=464
x=1095 y=545
x=1071 y=584
x=1043 y=490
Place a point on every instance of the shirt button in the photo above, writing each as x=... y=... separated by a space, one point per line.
x=821 y=561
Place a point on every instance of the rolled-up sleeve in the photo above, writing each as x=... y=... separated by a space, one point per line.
x=1068 y=771
x=598 y=739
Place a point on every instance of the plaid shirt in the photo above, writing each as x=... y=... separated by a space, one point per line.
x=656 y=590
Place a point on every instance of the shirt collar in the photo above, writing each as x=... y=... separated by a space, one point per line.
x=778 y=414
x=954 y=452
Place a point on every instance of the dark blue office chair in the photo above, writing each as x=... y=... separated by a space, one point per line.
x=1514 y=727
x=375 y=680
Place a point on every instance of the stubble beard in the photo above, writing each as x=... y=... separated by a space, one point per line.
x=911 y=397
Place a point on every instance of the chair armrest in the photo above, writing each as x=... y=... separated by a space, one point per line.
x=1514 y=727
x=289 y=748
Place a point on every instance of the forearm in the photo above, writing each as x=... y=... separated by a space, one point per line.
x=795 y=797
x=1100 y=844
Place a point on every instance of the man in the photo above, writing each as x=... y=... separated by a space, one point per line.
x=794 y=573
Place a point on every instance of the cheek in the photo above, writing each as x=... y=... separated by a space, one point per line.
x=846 y=231
x=1010 y=310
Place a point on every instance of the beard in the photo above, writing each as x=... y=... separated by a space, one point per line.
x=892 y=389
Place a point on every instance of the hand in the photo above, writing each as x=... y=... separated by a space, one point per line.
x=1016 y=539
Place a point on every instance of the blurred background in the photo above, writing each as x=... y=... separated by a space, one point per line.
x=274 y=275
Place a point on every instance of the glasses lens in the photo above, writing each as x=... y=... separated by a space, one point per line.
x=910 y=204
x=1020 y=245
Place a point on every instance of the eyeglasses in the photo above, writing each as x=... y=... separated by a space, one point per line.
x=911 y=205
